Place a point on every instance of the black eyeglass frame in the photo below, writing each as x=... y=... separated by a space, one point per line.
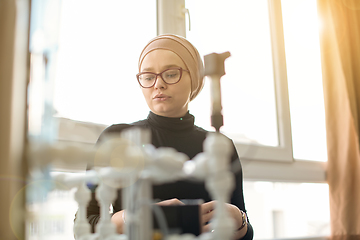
x=160 y=74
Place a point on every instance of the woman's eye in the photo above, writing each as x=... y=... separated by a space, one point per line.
x=148 y=77
x=171 y=75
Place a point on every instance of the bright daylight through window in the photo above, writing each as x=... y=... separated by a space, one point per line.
x=97 y=61
x=248 y=95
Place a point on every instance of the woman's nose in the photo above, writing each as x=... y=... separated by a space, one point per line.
x=159 y=82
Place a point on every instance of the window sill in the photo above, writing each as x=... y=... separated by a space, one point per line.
x=295 y=171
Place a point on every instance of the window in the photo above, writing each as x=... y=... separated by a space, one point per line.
x=97 y=61
x=248 y=98
x=94 y=60
x=56 y=220
x=255 y=116
x=302 y=48
x=254 y=110
x=287 y=210
x=259 y=112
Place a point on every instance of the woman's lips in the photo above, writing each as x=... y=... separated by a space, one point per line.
x=161 y=97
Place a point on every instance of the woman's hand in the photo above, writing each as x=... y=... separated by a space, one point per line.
x=173 y=201
x=119 y=220
x=119 y=217
x=207 y=213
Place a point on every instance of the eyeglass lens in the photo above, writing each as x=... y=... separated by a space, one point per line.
x=170 y=76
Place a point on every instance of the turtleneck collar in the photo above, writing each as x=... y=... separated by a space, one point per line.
x=172 y=124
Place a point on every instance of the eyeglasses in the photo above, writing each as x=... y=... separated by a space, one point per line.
x=169 y=76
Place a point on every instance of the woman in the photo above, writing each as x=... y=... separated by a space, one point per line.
x=170 y=76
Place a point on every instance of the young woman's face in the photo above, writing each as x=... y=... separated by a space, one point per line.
x=163 y=99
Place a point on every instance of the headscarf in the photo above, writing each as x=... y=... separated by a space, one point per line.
x=188 y=54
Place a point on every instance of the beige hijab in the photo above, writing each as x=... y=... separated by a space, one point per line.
x=186 y=51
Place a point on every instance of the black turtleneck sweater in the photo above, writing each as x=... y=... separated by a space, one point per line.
x=182 y=135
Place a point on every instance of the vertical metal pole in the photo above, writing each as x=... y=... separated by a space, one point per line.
x=171 y=17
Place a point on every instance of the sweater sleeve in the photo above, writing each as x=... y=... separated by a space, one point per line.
x=237 y=197
x=93 y=210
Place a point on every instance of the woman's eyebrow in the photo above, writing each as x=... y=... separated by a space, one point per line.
x=146 y=69
x=170 y=66
x=165 y=67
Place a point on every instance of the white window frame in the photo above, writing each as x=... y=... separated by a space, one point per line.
x=260 y=162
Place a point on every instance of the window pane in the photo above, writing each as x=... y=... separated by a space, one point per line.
x=287 y=210
x=304 y=79
x=52 y=219
x=99 y=46
x=241 y=27
x=52 y=216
